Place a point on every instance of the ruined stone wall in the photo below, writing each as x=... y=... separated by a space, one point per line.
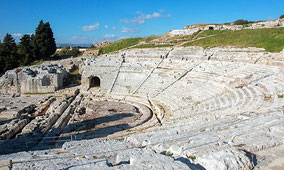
x=104 y=68
x=36 y=79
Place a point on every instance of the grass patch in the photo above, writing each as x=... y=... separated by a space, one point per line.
x=168 y=153
x=150 y=38
x=271 y=39
x=153 y=45
x=211 y=33
x=280 y=96
x=118 y=45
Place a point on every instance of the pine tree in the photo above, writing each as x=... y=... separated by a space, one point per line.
x=43 y=41
x=25 y=50
x=8 y=53
x=1 y=59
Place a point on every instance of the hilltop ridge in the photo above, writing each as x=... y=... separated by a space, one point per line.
x=241 y=33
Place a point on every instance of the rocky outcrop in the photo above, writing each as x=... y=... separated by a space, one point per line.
x=190 y=30
x=100 y=44
x=228 y=159
x=11 y=129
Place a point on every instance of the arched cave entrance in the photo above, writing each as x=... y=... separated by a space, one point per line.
x=95 y=82
x=211 y=28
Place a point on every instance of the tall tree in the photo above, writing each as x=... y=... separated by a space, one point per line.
x=25 y=50
x=8 y=53
x=43 y=41
x=1 y=59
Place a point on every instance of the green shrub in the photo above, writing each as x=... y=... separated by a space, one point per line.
x=281 y=17
x=67 y=51
x=74 y=77
x=241 y=22
x=168 y=153
x=192 y=157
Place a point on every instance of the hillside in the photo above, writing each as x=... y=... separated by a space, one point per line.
x=241 y=33
x=271 y=39
x=120 y=44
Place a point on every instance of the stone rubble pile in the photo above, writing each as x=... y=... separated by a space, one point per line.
x=42 y=124
x=9 y=130
x=14 y=127
x=36 y=122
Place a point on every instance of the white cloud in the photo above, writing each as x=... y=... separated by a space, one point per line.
x=106 y=26
x=109 y=36
x=90 y=27
x=17 y=34
x=141 y=18
x=156 y=15
x=79 y=39
x=169 y=15
x=114 y=28
x=128 y=30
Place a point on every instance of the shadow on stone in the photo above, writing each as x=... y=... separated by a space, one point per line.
x=89 y=124
x=31 y=142
x=189 y=164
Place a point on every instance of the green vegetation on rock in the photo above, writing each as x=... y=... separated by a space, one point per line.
x=150 y=38
x=271 y=39
x=118 y=45
x=74 y=77
x=208 y=33
x=37 y=62
x=152 y=45
x=67 y=51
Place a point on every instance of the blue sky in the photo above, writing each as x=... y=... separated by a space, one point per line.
x=85 y=21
